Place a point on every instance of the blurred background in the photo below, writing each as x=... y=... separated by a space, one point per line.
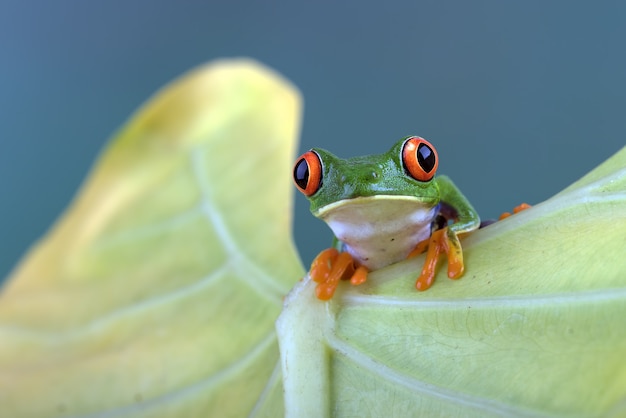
x=519 y=98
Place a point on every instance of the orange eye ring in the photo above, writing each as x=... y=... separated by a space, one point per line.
x=419 y=158
x=307 y=173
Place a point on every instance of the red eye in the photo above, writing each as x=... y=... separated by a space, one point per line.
x=307 y=173
x=419 y=158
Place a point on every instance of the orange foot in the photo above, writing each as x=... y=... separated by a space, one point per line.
x=516 y=209
x=329 y=267
x=442 y=240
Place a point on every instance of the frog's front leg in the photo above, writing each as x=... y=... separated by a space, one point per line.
x=456 y=208
x=441 y=241
x=329 y=267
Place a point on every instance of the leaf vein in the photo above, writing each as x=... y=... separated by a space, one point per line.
x=428 y=389
x=194 y=389
x=120 y=314
x=592 y=296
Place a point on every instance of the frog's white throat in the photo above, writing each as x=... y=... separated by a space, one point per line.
x=379 y=230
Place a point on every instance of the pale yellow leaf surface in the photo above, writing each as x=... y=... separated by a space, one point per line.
x=535 y=328
x=155 y=294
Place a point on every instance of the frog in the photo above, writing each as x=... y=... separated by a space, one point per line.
x=383 y=209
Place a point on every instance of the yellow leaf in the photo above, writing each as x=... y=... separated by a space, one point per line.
x=155 y=294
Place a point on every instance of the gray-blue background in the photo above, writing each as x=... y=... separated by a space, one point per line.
x=520 y=98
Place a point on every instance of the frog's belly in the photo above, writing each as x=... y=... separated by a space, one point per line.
x=378 y=232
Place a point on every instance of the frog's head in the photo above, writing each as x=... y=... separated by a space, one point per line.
x=404 y=173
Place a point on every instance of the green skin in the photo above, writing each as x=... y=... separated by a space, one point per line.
x=345 y=181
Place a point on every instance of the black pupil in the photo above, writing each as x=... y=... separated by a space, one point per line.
x=301 y=173
x=425 y=157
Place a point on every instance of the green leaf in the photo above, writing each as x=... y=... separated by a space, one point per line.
x=536 y=327
x=155 y=295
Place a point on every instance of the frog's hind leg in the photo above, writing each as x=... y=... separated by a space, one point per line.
x=516 y=209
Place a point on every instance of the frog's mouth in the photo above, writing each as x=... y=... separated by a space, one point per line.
x=381 y=207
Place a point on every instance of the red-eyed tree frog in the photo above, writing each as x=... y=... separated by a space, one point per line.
x=383 y=209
